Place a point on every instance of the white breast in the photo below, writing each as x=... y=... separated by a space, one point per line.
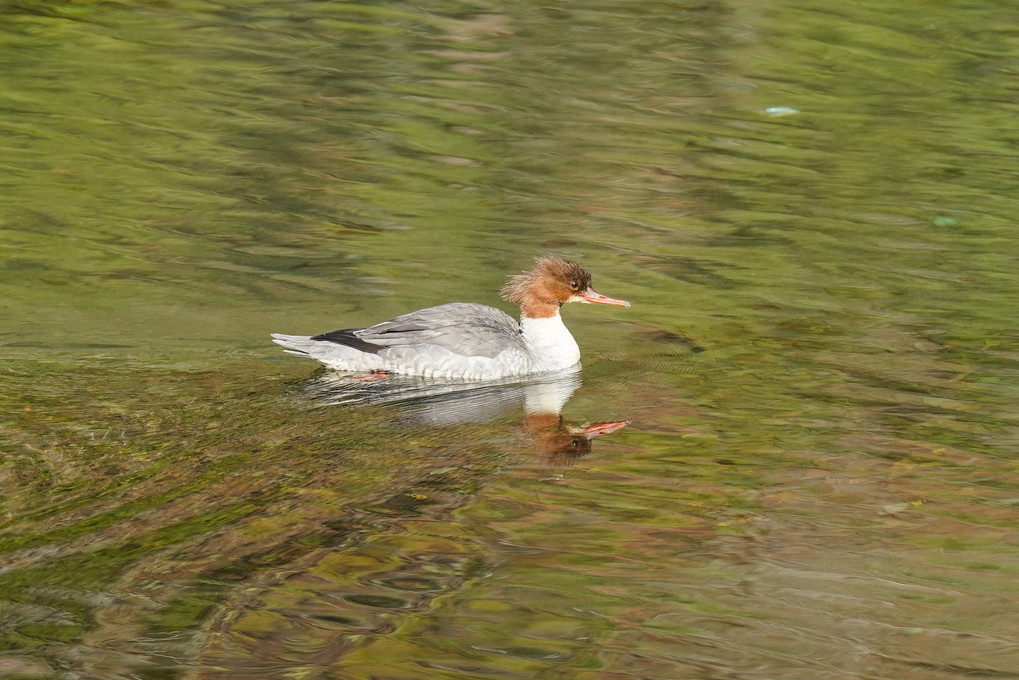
x=550 y=344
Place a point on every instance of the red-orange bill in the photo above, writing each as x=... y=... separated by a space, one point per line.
x=598 y=429
x=591 y=295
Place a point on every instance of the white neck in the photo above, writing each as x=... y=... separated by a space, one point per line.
x=550 y=344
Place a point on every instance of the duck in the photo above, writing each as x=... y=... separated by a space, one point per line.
x=466 y=340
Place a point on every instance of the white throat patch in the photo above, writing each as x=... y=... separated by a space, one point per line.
x=549 y=342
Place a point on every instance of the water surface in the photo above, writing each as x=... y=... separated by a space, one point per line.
x=821 y=199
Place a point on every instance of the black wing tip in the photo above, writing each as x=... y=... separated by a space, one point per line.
x=348 y=338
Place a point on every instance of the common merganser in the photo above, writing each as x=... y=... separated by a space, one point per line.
x=562 y=443
x=465 y=340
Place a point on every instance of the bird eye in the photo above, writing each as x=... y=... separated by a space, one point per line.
x=574 y=284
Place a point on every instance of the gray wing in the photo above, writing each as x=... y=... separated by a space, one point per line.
x=461 y=327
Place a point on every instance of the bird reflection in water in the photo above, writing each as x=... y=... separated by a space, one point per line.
x=446 y=402
x=562 y=443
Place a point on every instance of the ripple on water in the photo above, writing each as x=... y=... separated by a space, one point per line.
x=827 y=491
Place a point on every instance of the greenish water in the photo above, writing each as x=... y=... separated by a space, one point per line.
x=820 y=197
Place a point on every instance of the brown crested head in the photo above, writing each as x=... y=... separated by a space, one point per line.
x=541 y=291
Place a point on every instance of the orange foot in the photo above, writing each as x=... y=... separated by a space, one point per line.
x=373 y=376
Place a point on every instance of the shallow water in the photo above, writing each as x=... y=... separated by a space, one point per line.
x=811 y=209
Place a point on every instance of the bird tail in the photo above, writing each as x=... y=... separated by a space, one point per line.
x=295 y=344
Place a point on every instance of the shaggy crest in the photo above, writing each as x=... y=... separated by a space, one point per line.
x=560 y=277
